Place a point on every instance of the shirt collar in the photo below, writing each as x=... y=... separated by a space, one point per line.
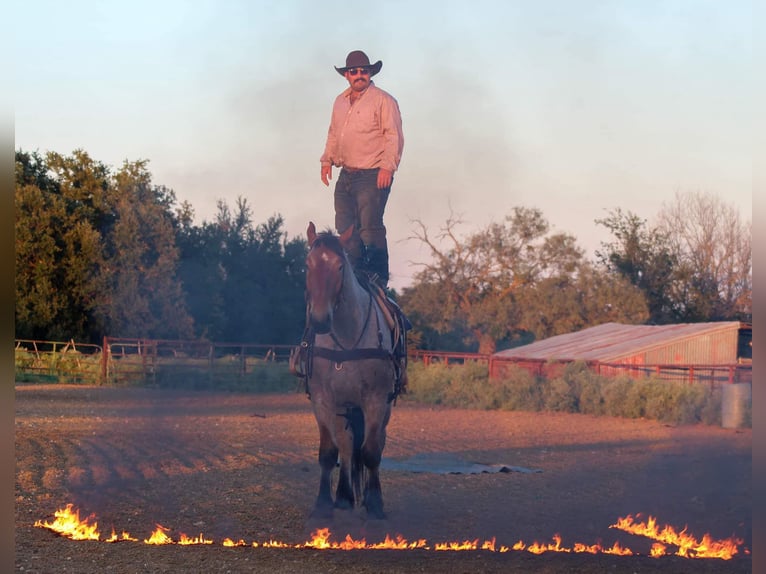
x=348 y=91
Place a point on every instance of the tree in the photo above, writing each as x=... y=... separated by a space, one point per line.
x=694 y=265
x=244 y=283
x=59 y=288
x=589 y=297
x=508 y=283
x=642 y=255
x=95 y=252
x=146 y=296
x=713 y=246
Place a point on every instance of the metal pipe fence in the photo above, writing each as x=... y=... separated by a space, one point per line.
x=124 y=360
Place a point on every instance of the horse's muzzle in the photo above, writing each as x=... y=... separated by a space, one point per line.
x=322 y=328
x=321 y=325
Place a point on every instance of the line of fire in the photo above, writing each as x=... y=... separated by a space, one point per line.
x=666 y=540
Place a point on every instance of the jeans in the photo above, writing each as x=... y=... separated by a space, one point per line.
x=360 y=203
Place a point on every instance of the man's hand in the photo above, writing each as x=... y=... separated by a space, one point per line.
x=327 y=174
x=385 y=177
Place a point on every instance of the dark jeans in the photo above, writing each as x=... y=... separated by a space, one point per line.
x=360 y=203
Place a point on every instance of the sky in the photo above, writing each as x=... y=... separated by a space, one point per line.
x=574 y=107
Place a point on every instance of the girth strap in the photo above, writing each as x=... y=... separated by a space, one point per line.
x=342 y=355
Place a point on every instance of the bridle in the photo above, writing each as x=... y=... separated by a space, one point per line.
x=342 y=354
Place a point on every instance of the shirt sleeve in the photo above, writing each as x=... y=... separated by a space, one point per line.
x=391 y=125
x=331 y=145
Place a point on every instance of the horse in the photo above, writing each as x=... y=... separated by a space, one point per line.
x=352 y=375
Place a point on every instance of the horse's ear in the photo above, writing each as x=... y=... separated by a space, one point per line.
x=345 y=237
x=311 y=232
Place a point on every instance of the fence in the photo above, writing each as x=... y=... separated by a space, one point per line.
x=57 y=361
x=500 y=366
x=122 y=360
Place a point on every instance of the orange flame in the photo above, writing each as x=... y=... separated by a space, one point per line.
x=124 y=537
x=688 y=545
x=159 y=536
x=186 y=541
x=230 y=542
x=618 y=550
x=69 y=524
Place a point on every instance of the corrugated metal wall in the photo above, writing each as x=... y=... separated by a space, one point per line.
x=714 y=348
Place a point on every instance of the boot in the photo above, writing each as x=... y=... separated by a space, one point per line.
x=376 y=264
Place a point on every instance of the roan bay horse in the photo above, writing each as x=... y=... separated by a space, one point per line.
x=352 y=374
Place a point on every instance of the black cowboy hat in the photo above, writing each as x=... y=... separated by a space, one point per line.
x=358 y=59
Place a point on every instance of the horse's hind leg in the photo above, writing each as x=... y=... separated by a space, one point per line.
x=328 y=459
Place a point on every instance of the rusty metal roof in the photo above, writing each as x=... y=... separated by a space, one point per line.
x=612 y=341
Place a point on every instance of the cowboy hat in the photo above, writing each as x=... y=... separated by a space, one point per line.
x=358 y=59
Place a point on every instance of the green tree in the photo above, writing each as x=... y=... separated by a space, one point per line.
x=694 y=265
x=643 y=256
x=571 y=302
x=95 y=252
x=510 y=284
x=59 y=289
x=244 y=283
x=146 y=295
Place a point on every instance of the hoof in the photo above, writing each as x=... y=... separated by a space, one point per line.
x=376 y=514
x=321 y=512
x=375 y=511
x=343 y=504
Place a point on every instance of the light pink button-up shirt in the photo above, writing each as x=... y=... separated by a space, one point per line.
x=367 y=134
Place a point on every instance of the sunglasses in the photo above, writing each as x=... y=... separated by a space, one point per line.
x=357 y=71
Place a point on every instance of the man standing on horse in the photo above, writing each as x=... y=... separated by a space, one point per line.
x=365 y=140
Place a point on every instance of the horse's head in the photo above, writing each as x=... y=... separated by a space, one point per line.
x=326 y=267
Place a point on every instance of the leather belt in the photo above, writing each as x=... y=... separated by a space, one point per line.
x=357 y=169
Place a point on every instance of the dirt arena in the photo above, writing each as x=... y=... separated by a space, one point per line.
x=243 y=466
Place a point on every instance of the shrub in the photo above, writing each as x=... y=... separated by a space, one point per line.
x=465 y=385
x=520 y=390
x=616 y=398
x=558 y=395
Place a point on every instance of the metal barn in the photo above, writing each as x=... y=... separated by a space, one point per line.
x=716 y=351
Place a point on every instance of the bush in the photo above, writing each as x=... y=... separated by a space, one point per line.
x=451 y=385
x=522 y=391
x=573 y=388
x=616 y=396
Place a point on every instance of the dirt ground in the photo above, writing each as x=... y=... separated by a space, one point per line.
x=243 y=466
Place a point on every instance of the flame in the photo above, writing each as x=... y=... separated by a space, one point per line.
x=69 y=524
x=657 y=550
x=688 y=545
x=457 y=546
x=230 y=542
x=618 y=550
x=186 y=541
x=159 y=536
x=399 y=543
x=124 y=537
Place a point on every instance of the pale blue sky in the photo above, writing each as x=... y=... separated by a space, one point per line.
x=573 y=106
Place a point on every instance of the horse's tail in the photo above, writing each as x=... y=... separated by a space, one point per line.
x=356 y=420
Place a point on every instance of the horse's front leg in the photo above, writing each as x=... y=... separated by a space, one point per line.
x=328 y=458
x=344 y=494
x=372 y=452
